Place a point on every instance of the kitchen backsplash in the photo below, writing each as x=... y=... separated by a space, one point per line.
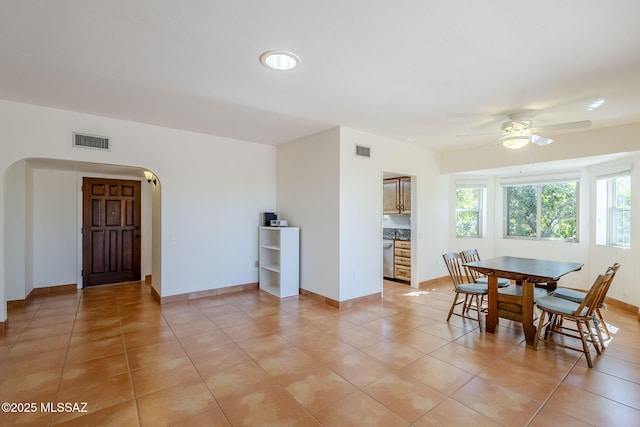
x=396 y=221
x=396 y=233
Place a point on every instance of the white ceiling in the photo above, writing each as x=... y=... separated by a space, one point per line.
x=411 y=69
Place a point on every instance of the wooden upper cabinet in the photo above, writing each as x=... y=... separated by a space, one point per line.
x=396 y=195
x=405 y=195
x=391 y=200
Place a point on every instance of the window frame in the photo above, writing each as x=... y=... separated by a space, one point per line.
x=613 y=212
x=538 y=187
x=482 y=190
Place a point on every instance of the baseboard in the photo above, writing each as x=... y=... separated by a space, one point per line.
x=147 y=279
x=155 y=295
x=320 y=298
x=341 y=304
x=202 y=294
x=41 y=291
x=360 y=300
x=17 y=303
x=439 y=281
x=54 y=289
x=4 y=325
x=622 y=305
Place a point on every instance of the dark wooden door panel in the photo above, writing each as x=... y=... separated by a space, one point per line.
x=111 y=231
x=97 y=260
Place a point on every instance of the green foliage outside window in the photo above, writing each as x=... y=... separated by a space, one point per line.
x=545 y=211
x=468 y=212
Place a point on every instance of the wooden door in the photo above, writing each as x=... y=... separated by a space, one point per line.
x=390 y=201
x=110 y=231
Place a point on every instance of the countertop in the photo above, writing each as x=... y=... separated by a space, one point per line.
x=397 y=234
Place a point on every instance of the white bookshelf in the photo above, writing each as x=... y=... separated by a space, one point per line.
x=280 y=260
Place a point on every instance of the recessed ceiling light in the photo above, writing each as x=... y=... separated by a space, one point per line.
x=280 y=60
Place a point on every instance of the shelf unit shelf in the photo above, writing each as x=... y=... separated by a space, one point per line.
x=280 y=260
x=272 y=267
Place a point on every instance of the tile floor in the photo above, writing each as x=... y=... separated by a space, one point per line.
x=250 y=359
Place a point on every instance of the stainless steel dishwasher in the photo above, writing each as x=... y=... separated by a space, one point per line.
x=387 y=258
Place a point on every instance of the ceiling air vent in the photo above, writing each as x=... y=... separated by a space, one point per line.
x=363 y=151
x=91 y=141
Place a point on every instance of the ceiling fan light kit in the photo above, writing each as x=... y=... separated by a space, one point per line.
x=515 y=142
x=518 y=131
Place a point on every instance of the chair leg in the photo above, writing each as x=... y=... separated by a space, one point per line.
x=596 y=326
x=554 y=322
x=603 y=324
x=468 y=300
x=478 y=312
x=585 y=345
x=540 y=327
x=453 y=305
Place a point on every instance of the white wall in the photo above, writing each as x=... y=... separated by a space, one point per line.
x=360 y=216
x=213 y=189
x=308 y=185
x=156 y=236
x=626 y=285
x=55 y=228
x=15 y=243
x=336 y=199
x=361 y=210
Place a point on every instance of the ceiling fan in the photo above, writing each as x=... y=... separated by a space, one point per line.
x=518 y=131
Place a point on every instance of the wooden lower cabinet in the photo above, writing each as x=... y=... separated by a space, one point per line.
x=402 y=260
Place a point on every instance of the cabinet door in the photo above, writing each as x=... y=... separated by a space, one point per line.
x=405 y=195
x=391 y=202
x=403 y=273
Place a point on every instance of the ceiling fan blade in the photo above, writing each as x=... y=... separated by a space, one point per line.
x=477 y=134
x=561 y=126
x=539 y=140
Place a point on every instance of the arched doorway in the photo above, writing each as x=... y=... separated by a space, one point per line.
x=43 y=222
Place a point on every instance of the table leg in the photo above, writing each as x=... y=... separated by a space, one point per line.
x=527 y=313
x=492 y=303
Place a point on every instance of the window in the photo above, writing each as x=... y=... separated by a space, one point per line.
x=469 y=203
x=546 y=211
x=613 y=211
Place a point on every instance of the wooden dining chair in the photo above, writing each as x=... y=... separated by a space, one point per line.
x=472 y=255
x=578 y=296
x=555 y=311
x=469 y=295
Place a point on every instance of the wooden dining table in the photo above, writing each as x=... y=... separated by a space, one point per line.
x=531 y=275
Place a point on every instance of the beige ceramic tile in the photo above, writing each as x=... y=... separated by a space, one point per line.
x=297 y=361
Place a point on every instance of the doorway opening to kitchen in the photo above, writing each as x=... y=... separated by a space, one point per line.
x=399 y=237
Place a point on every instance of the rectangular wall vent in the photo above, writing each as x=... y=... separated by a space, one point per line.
x=363 y=151
x=91 y=141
